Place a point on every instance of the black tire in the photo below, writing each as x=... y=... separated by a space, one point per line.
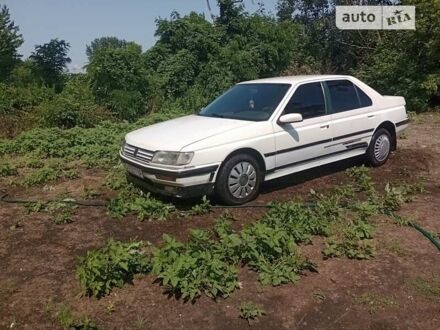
x=380 y=148
x=222 y=185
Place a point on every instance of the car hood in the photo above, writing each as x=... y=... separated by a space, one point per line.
x=175 y=134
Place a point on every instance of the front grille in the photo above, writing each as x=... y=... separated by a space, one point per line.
x=139 y=154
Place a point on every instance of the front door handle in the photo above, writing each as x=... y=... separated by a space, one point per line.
x=325 y=126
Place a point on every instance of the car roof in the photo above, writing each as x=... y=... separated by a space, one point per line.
x=294 y=79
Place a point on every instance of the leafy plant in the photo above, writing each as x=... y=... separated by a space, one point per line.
x=250 y=311
x=7 y=169
x=112 y=266
x=60 y=211
x=202 y=208
x=40 y=176
x=194 y=268
x=351 y=239
x=133 y=200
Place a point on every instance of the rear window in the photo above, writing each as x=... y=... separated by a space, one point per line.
x=343 y=95
x=364 y=99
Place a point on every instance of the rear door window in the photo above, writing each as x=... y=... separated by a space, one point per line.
x=343 y=95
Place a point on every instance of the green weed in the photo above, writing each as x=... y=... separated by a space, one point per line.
x=202 y=208
x=112 y=266
x=429 y=288
x=40 y=176
x=194 y=268
x=60 y=212
x=375 y=302
x=7 y=169
x=250 y=311
x=132 y=200
x=351 y=239
x=69 y=322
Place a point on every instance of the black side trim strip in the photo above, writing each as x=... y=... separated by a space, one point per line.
x=357 y=145
x=175 y=174
x=349 y=148
x=317 y=143
x=296 y=148
x=403 y=122
x=353 y=134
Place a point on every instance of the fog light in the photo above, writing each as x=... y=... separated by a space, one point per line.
x=170 y=189
x=166 y=177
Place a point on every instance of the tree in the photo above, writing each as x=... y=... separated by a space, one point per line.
x=229 y=10
x=119 y=80
x=10 y=40
x=407 y=63
x=51 y=59
x=285 y=9
x=104 y=43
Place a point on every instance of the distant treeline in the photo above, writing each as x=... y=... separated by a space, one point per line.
x=196 y=58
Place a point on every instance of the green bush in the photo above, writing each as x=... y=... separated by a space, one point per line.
x=194 y=268
x=111 y=266
x=74 y=106
x=13 y=98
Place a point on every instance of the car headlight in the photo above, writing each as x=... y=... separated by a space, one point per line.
x=172 y=157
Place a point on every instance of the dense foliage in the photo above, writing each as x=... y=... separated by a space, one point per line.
x=196 y=58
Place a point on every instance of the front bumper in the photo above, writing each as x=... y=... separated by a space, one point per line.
x=173 y=191
x=177 y=182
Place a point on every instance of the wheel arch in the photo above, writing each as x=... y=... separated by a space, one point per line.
x=391 y=128
x=250 y=151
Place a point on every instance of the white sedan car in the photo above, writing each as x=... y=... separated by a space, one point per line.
x=261 y=130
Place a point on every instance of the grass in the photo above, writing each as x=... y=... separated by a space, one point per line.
x=67 y=319
x=375 y=302
x=395 y=247
x=427 y=287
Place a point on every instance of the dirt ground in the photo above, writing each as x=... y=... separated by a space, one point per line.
x=397 y=289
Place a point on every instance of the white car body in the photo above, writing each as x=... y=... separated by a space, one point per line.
x=283 y=148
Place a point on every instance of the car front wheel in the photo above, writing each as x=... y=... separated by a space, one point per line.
x=239 y=180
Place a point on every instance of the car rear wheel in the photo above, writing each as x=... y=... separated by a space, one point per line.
x=380 y=148
x=239 y=180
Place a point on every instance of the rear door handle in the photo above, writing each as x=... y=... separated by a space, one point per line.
x=371 y=116
x=325 y=126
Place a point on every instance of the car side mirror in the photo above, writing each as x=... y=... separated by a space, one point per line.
x=291 y=118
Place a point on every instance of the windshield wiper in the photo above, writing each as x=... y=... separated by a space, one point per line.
x=217 y=115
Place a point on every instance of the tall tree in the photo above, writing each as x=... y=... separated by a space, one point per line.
x=10 y=40
x=285 y=9
x=51 y=59
x=103 y=43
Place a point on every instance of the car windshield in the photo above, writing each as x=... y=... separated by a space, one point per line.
x=254 y=102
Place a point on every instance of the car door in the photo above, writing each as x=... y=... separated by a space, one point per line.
x=352 y=117
x=305 y=141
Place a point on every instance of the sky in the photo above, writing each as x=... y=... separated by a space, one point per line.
x=80 y=21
